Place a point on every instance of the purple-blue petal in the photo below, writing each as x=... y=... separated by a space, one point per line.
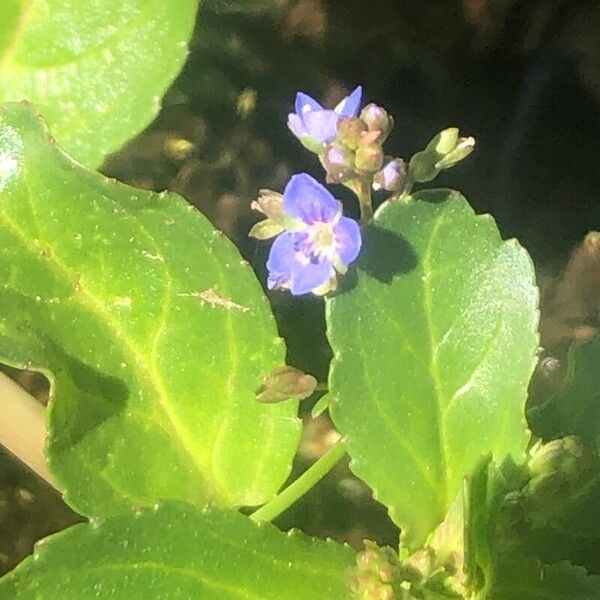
x=307 y=200
x=304 y=104
x=321 y=125
x=296 y=125
x=349 y=106
x=282 y=255
x=306 y=278
x=347 y=240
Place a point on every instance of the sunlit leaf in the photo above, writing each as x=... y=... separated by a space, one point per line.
x=153 y=330
x=434 y=343
x=96 y=69
x=180 y=552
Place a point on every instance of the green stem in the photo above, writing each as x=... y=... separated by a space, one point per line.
x=366 y=201
x=303 y=484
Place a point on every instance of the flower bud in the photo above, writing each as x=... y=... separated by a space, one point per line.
x=377 y=119
x=445 y=141
x=338 y=162
x=369 y=158
x=285 y=383
x=443 y=151
x=422 y=167
x=350 y=132
x=464 y=147
x=391 y=177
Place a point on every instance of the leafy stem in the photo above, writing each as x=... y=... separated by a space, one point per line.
x=303 y=484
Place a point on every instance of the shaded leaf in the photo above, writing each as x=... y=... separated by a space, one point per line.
x=521 y=578
x=575 y=410
x=433 y=371
x=153 y=331
x=96 y=70
x=176 y=551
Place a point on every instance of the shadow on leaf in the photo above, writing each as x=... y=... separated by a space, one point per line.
x=385 y=255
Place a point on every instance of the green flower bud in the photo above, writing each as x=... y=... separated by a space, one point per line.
x=443 y=151
x=464 y=147
x=377 y=119
x=422 y=167
x=351 y=132
x=445 y=141
x=557 y=470
x=369 y=158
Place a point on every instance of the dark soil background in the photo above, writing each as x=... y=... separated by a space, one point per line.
x=521 y=76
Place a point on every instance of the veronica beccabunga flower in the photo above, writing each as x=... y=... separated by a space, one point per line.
x=314 y=241
x=316 y=126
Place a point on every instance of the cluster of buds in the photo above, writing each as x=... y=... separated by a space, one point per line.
x=357 y=151
x=375 y=573
x=349 y=144
x=554 y=472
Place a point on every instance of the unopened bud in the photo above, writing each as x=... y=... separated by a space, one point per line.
x=567 y=455
x=391 y=177
x=338 y=162
x=445 y=141
x=422 y=167
x=369 y=158
x=377 y=119
x=351 y=132
x=464 y=147
x=285 y=383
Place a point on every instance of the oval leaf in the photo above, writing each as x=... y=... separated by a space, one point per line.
x=152 y=329
x=176 y=551
x=96 y=70
x=434 y=371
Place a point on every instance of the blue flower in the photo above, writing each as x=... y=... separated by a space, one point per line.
x=317 y=241
x=316 y=126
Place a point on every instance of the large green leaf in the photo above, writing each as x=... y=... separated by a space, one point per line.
x=576 y=408
x=95 y=68
x=176 y=551
x=154 y=332
x=434 y=345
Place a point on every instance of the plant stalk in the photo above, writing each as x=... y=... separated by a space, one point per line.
x=23 y=427
x=365 y=201
x=303 y=484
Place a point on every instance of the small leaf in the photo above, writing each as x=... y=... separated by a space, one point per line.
x=433 y=347
x=151 y=328
x=284 y=383
x=177 y=551
x=575 y=410
x=265 y=230
x=523 y=578
x=96 y=70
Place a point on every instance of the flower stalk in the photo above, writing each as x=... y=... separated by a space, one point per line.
x=303 y=484
x=23 y=427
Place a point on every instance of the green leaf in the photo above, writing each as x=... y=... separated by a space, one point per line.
x=575 y=410
x=177 y=551
x=96 y=70
x=433 y=372
x=521 y=578
x=153 y=330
